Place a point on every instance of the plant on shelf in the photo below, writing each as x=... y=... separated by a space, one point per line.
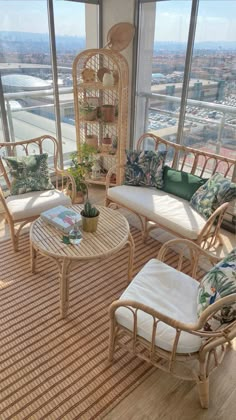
x=88 y=112
x=89 y=217
x=80 y=168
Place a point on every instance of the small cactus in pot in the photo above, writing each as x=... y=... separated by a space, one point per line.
x=89 y=217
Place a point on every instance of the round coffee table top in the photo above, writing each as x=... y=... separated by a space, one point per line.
x=111 y=236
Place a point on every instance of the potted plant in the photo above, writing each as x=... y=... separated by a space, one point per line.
x=89 y=216
x=108 y=113
x=88 y=112
x=92 y=140
x=80 y=168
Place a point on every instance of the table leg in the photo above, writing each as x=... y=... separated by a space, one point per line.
x=131 y=257
x=64 y=286
x=33 y=256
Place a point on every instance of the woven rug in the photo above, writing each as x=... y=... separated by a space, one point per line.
x=58 y=369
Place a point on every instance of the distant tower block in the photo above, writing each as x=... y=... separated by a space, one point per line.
x=221 y=90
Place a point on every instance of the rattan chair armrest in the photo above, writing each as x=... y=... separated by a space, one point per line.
x=111 y=171
x=195 y=329
x=70 y=182
x=195 y=252
x=134 y=305
x=213 y=224
x=216 y=306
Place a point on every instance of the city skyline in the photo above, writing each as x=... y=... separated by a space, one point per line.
x=172 y=19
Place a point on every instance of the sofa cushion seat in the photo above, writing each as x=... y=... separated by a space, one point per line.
x=169 y=292
x=158 y=206
x=33 y=203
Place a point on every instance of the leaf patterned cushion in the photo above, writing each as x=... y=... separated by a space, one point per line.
x=29 y=173
x=220 y=281
x=145 y=168
x=216 y=191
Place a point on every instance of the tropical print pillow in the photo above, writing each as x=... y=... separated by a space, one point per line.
x=220 y=281
x=216 y=191
x=145 y=168
x=29 y=173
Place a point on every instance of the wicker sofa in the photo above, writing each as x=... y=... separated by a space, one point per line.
x=168 y=211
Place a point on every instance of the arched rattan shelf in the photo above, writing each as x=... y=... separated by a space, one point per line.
x=94 y=90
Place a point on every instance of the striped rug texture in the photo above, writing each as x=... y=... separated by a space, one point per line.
x=58 y=369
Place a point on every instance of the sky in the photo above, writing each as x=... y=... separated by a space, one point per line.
x=216 y=18
x=31 y=16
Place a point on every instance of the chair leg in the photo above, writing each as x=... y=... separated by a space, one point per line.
x=203 y=391
x=14 y=237
x=112 y=338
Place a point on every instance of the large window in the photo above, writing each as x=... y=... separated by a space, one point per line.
x=202 y=57
x=211 y=106
x=38 y=94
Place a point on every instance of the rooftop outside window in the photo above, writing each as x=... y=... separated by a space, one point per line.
x=26 y=65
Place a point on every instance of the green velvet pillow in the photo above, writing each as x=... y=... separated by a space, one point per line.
x=29 y=173
x=180 y=183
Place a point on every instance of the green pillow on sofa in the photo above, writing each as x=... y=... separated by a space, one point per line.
x=180 y=183
x=29 y=173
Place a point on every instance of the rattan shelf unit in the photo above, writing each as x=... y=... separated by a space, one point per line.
x=93 y=91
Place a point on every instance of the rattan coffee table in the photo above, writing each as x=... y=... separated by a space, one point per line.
x=111 y=236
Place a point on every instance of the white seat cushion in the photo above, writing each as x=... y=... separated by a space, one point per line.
x=33 y=203
x=170 y=292
x=170 y=211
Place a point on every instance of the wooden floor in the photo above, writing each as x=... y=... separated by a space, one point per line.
x=163 y=397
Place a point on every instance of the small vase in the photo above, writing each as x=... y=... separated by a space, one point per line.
x=89 y=224
x=108 y=80
x=75 y=236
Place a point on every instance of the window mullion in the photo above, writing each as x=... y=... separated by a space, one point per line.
x=5 y=128
x=187 y=69
x=55 y=78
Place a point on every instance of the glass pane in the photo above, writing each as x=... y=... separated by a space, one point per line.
x=71 y=21
x=210 y=122
x=26 y=68
x=162 y=51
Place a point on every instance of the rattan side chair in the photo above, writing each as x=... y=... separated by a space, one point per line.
x=156 y=319
x=24 y=208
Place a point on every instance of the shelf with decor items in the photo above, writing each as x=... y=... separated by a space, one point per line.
x=100 y=85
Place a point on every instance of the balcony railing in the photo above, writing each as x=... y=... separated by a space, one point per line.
x=220 y=123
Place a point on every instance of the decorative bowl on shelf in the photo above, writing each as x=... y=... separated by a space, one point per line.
x=88 y=75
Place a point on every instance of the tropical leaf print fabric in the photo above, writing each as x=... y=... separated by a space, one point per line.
x=219 y=282
x=216 y=191
x=145 y=168
x=29 y=173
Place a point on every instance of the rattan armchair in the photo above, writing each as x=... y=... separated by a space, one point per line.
x=24 y=208
x=181 y=347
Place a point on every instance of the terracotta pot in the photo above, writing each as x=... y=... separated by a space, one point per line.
x=79 y=199
x=92 y=140
x=89 y=224
x=108 y=113
x=106 y=140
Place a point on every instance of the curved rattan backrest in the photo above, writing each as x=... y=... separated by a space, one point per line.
x=195 y=161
